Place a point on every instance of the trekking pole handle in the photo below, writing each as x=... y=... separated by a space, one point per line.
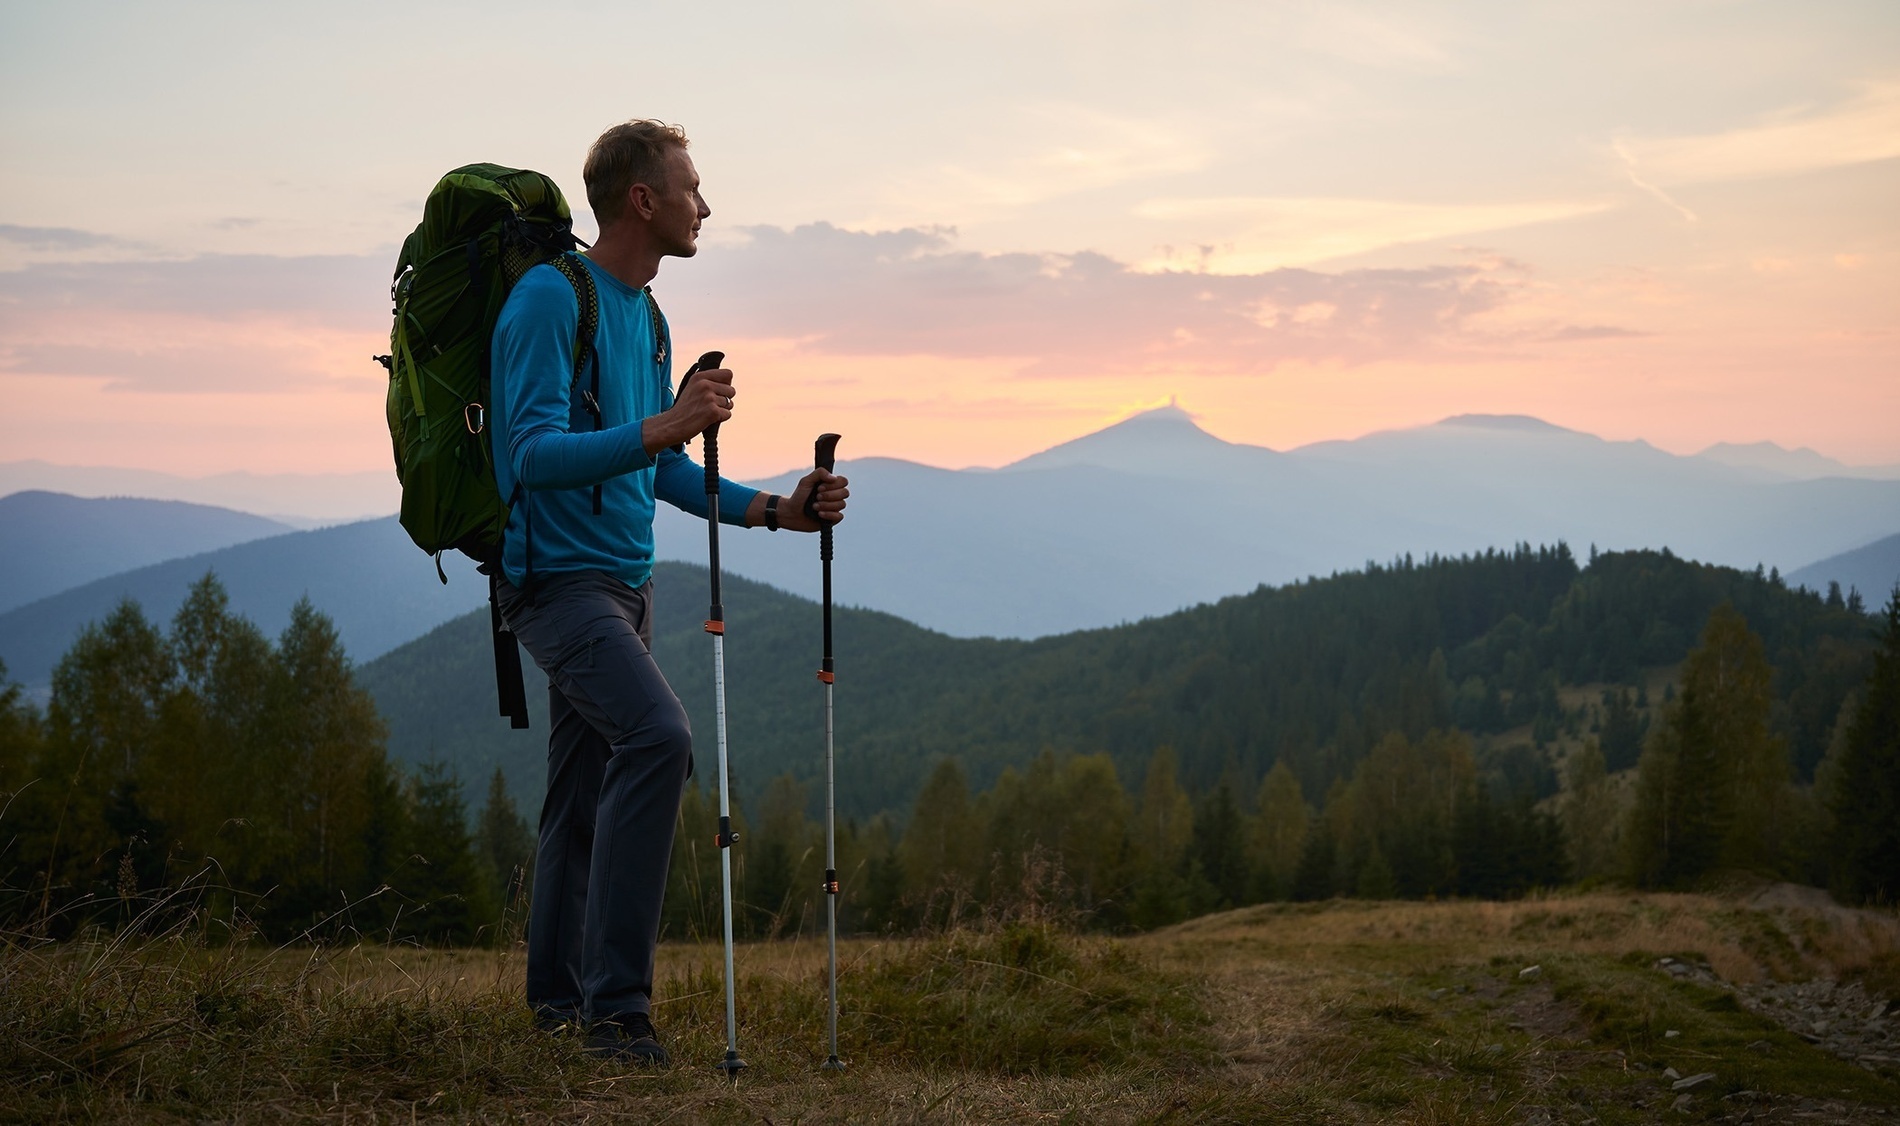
x=709 y=361
x=825 y=457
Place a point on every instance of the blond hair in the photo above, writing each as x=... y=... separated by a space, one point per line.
x=633 y=152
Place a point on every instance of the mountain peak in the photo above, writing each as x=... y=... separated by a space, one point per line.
x=1167 y=433
x=1171 y=411
x=1522 y=423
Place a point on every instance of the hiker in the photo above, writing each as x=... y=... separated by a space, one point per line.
x=577 y=559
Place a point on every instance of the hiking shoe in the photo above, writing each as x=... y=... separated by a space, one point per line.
x=556 y=1024
x=630 y=1038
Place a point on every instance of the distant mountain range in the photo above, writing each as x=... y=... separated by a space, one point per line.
x=1803 y=464
x=306 y=500
x=56 y=542
x=1154 y=514
x=300 y=500
x=1873 y=570
x=1134 y=521
x=372 y=582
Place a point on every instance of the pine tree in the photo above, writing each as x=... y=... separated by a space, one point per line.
x=1313 y=877
x=1092 y=845
x=1277 y=836
x=1621 y=739
x=1589 y=814
x=1163 y=829
x=20 y=737
x=1714 y=788
x=325 y=740
x=505 y=845
x=779 y=858
x=445 y=885
x=102 y=726
x=940 y=847
x=1865 y=802
x=1375 y=878
x=1220 y=847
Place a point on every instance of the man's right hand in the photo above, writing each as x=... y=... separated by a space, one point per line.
x=705 y=402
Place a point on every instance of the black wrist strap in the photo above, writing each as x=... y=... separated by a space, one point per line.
x=771 y=511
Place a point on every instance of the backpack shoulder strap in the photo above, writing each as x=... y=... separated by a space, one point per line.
x=586 y=356
x=587 y=299
x=660 y=341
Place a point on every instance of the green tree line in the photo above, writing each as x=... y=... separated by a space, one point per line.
x=251 y=772
x=1714 y=793
x=208 y=768
x=1315 y=674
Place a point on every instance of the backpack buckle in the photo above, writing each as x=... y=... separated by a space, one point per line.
x=475 y=418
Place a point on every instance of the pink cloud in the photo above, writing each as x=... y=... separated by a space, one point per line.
x=910 y=292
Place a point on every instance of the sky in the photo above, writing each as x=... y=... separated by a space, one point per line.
x=963 y=232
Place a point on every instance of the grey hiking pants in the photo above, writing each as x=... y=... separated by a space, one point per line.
x=619 y=753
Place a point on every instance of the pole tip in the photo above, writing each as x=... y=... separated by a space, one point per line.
x=832 y=1064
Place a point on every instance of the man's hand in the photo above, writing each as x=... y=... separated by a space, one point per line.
x=703 y=403
x=831 y=491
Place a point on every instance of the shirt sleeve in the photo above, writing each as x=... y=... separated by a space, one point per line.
x=533 y=371
x=681 y=482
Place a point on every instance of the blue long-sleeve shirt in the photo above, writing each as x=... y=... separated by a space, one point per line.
x=545 y=438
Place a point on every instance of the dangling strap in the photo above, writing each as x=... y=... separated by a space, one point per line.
x=509 y=687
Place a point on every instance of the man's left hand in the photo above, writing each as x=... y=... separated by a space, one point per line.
x=831 y=490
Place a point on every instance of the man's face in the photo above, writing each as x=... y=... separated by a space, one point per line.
x=679 y=209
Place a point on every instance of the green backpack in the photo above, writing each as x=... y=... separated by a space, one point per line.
x=483 y=226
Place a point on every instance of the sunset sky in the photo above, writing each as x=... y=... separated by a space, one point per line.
x=963 y=232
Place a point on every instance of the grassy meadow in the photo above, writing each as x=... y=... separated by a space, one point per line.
x=1344 y=1011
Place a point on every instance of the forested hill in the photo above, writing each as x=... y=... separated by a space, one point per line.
x=1312 y=673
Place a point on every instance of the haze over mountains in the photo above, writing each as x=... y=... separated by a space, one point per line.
x=1154 y=514
x=1873 y=570
x=56 y=542
x=300 y=500
x=371 y=581
x=1137 y=520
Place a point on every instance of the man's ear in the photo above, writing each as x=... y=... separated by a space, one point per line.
x=641 y=200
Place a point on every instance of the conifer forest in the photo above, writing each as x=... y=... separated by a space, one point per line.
x=1475 y=727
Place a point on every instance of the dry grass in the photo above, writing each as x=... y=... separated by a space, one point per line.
x=1342 y=1012
x=1776 y=933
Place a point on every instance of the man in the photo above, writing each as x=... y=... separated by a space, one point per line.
x=577 y=559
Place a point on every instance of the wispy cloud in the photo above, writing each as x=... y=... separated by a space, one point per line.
x=53 y=238
x=23 y=246
x=1629 y=167
x=1592 y=332
x=1863 y=128
x=1372 y=38
x=1249 y=235
x=249 y=324
x=1063 y=149
x=345 y=288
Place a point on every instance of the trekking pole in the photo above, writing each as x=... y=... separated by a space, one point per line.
x=824 y=456
x=716 y=625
